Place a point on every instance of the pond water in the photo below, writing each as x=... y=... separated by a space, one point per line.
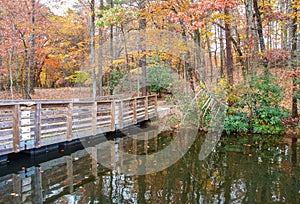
x=249 y=169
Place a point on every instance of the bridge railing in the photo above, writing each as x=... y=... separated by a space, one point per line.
x=27 y=125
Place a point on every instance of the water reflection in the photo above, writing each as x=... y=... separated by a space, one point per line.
x=247 y=170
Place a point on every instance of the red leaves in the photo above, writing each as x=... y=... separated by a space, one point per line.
x=192 y=14
x=276 y=55
x=213 y=5
x=294 y=73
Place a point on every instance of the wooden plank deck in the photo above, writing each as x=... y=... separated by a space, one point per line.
x=26 y=125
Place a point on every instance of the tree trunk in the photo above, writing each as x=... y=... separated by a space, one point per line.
x=127 y=60
x=216 y=29
x=249 y=17
x=209 y=53
x=11 y=75
x=198 y=67
x=111 y=51
x=294 y=61
x=100 y=57
x=17 y=74
x=92 y=36
x=289 y=27
x=221 y=52
x=259 y=26
x=32 y=50
x=25 y=79
x=260 y=33
x=142 y=47
x=229 y=56
x=240 y=58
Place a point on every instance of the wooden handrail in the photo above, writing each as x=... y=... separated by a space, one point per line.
x=36 y=123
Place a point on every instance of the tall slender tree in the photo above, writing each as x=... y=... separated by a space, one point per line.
x=111 y=49
x=32 y=62
x=142 y=45
x=100 y=55
x=92 y=41
x=229 y=56
x=294 y=54
x=260 y=33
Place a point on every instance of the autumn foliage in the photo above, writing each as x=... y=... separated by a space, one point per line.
x=204 y=41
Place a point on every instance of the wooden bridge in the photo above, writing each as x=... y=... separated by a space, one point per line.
x=26 y=125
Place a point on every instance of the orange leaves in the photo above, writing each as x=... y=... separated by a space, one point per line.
x=52 y=63
x=193 y=14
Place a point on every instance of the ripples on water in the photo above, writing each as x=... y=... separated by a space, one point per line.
x=248 y=169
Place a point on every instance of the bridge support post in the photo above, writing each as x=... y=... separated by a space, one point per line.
x=134 y=111
x=16 y=127
x=94 y=118
x=37 y=121
x=112 y=116
x=120 y=119
x=69 y=121
x=146 y=108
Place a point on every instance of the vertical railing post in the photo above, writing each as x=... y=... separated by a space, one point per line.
x=146 y=108
x=120 y=119
x=156 y=114
x=134 y=111
x=69 y=121
x=112 y=116
x=37 y=120
x=16 y=127
x=94 y=118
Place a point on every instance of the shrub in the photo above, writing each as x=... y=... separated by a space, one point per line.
x=257 y=109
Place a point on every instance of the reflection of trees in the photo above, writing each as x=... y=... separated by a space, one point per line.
x=227 y=175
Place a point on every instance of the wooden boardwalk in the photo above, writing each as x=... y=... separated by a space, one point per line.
x=26 y=125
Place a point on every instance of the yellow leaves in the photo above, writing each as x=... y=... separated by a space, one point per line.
x=43 y=78
x=243 y=36
x=218 y=15
x=51 y=56
x=119 y=62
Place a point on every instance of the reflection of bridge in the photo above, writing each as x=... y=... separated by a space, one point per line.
x=26 y=125
x=47 y=181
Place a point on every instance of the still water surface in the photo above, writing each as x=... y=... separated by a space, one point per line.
x=239 y=170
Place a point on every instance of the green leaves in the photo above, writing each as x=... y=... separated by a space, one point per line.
x=78 y=77
x=236 y=123
x=258 y=108
x=268 y=120
x=117 y=15
x=159 y=77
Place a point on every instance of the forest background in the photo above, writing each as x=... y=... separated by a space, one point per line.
x=247 y=48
